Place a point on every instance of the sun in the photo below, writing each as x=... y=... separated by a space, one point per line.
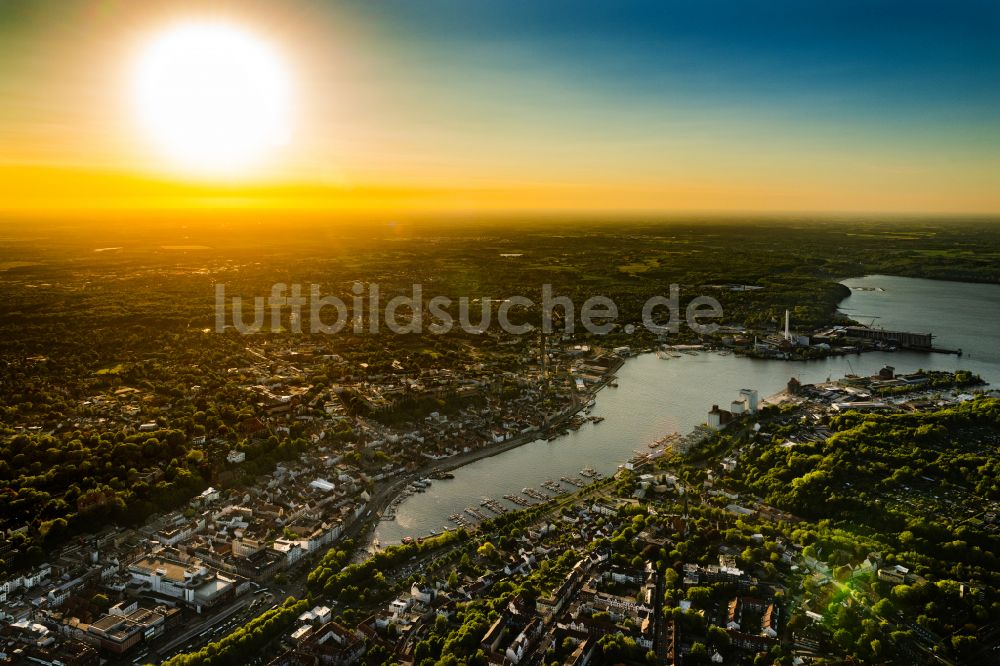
x=212 y=97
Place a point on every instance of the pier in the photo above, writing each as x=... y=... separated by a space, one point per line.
x=942 y=350
x=516 y=499
x=476 y=513
x=579 y=483
x=534 y=494
x=494 y=506
x=667 y=441
x=459 y=520
x=904 y=339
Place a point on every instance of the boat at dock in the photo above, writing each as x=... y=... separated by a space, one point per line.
x=459 y=520
x=494 y=506
x=667 y=441
x=520 y=501
x=442 y=475
x=534 y=494
x=476 y=513
x=644 y=408
x=638 y=460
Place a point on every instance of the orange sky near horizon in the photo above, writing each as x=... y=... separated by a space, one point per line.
x=46 y=192
x=387 y=120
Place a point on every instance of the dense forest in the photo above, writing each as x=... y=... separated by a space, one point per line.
x=915 y=488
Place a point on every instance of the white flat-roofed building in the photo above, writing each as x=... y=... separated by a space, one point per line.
x=322 y=485
x=192 y=583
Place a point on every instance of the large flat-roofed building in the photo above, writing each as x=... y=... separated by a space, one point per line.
x=192 y=583
x=168 y=578
x=119 y=633
x=115 y=634
x=901 y=338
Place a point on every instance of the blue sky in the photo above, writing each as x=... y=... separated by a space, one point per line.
x=917 y=57
x=839 y=105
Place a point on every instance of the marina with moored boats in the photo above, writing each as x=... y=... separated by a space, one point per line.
x=658 y=408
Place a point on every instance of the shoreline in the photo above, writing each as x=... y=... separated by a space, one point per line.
x=455 y=462
x=381 y=499
x=461 y=460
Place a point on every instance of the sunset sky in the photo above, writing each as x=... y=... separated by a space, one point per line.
x=397 y=106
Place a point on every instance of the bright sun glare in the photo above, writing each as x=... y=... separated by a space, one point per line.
x=213 y=97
